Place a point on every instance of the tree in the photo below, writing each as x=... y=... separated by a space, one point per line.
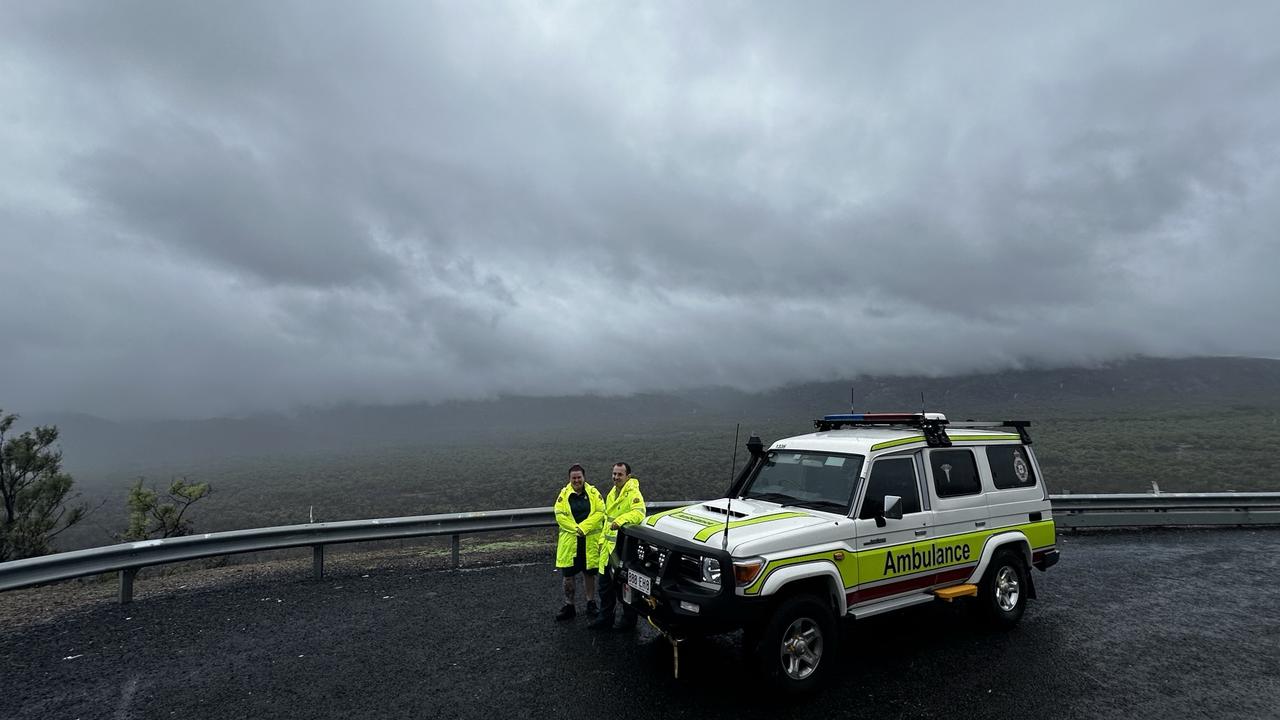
x=151 y=516
x=34 y=491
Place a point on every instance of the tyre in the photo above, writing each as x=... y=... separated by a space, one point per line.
x=1003 y=595
x=797 y=645
x=751 y=640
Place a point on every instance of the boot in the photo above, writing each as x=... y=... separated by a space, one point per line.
x=566 y=613
x=603 y=622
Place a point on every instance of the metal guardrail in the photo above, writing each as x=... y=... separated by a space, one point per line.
x=1070 y=511
x=1165 y=509
x=128 y=558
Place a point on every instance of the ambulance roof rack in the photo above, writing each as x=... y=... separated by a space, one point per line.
x=932 y=425
x=1019 y=425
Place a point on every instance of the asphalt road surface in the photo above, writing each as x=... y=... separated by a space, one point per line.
x=1156 y=624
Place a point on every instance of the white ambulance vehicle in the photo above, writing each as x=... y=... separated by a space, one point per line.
x=869 y=514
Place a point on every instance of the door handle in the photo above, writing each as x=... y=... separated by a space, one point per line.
x=874 y=541
x=980 y=523
x=921 y=533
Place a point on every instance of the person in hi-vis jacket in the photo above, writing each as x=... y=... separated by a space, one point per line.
x=580 y=516
x=623 y=506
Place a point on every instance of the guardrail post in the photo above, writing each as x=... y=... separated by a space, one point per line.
x=126 y=585
x=456 y=548
x=317 y=562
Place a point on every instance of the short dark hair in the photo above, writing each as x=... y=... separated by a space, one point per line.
x=577 y=468
x=625 y=465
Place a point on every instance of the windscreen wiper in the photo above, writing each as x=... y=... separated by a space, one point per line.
x=780 y=498
x=815 y=504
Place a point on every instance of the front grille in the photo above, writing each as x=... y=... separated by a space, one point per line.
x=650 y=557
x=672 y=568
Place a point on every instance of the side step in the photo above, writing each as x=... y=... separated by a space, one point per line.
x=956 y=591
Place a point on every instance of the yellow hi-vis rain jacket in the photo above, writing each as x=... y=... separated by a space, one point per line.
x=625 y=507
x=567 y=544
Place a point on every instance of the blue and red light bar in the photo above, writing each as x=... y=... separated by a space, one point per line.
x=933 y=425
x=884 y=418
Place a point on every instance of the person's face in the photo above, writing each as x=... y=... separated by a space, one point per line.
x=576 y=480
x=619 y=474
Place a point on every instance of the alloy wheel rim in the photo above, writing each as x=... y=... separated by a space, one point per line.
x=801 y=649
x=1007 y=588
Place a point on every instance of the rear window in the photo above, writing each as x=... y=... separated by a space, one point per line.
x=955 y=472
x=1010 y=467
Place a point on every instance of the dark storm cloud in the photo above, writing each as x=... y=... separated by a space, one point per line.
x=187 y=188
x=214 y=208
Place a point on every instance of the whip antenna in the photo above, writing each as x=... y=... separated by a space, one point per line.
x=733 y=468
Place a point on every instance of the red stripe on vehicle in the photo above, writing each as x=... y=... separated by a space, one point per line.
x=915 y=583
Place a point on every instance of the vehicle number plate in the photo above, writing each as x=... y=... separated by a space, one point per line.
x=639 y=582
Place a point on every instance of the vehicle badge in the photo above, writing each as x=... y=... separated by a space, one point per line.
x=1020 y=467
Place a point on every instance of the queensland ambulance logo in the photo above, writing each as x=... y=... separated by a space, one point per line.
x=1020 y=469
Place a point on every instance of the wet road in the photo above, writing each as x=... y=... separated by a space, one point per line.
x=1157 y=624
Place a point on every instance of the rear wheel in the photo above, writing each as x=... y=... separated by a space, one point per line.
x=796 y=645
x=1003 y=596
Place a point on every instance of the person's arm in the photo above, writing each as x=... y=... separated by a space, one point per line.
x=635 y=514
x=564 y=516
x=595 y=520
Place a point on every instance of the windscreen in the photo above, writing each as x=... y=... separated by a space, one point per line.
x=822 y=481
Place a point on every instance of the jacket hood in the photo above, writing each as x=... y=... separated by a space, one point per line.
x=632 y=483
x=587 y=488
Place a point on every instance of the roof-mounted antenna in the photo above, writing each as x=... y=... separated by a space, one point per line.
x=851 y=396
x=728 y=507
x=922 y=410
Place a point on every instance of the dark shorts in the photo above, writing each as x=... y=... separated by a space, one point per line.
x=579 y=561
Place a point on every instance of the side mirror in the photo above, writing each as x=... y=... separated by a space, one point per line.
x=893 y=507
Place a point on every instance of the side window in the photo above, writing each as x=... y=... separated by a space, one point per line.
x=954 y=473
x=896 y=476
x=1010 y=467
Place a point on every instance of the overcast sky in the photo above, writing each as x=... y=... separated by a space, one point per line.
x=213 y=208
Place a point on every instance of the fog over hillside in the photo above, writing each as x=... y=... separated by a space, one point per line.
x=1142 y=387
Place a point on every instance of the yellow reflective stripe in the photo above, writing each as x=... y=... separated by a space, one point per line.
x=848 y=567
x=868 y=566
x=1039 y=534
x=719 y=527
x=895 y=443
x=653 y=519
x=998 y=437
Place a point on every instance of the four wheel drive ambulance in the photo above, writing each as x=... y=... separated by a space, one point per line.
x=872 y=513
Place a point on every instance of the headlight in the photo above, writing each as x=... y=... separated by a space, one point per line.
x=710 y=570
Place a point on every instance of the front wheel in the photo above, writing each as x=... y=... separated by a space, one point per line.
x=1003 y=596
x=797 y=644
